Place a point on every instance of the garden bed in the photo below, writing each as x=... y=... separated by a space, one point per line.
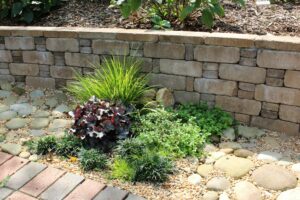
x=272 y=19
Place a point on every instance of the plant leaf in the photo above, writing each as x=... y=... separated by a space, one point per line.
x=16 y=9
x=186 y=12
x=28 y=16
x=207 y=18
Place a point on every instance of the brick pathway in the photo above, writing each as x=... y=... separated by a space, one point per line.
x=32 y=181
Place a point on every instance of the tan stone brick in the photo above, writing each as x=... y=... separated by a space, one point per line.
x=211 y=66
x=245 y=94
x=61 y=34
x=110 y=47
x=276 y=125
x=189 y=52
x=62 y=44
x=5 y=56
x=249 y=53
x=276 y=82
x=278 y=42
x=234 y=104
x=64 y=72
x=277 y=95
x=242 y=73
x=24 y=69
x=245 y=119
x=19 y=43
x=208 y=97
x=40 y=82
x=181 y=67
x=292 y=79
x=270 y=106
x=289 y=113
x=278 y=59
x=275 y=73
x=81 y=60
x=186 y=97
x=186 y=39
x=169 y=81
x=232 y=40
x=164 y=50
x=215 y=86
x=146 y=37
x=269 y=114
x=38 y=57
x=248 y=62
x=189 y=84
x=217 y=54
x=210 y=74
x=247 y=86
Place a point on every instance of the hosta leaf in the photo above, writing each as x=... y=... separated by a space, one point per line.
x=125 y=10
x=28 y=16
x=16 y=9
x=207 y=18
x=135 y=4
x=166 y=24
x=219 y=10
x=186 y=12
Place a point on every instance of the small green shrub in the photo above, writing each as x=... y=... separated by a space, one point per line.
x=68 y=145
x=116 y=80
x=92 y=159
x=46 y=145
x=212 y=121
x=31 y=145
x=162 y=131
x=130 y=148
x=152 y=167
x=26 y=10
x=122 y=170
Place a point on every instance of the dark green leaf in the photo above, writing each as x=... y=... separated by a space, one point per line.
x=186 y=12
x=207 y=18
x=166 y=24
x=219 y=10
x=28 y=16
x=4 y=13
x=135 y=4
x=16 y=9
x=125 y=10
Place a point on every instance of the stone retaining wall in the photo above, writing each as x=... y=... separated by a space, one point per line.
x=257 y=78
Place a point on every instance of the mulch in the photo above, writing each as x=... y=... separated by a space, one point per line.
x=264 y=19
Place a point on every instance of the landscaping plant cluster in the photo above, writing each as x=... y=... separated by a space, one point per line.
x=133 y=142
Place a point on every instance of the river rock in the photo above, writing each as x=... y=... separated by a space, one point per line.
x=10 y=100
x=234 y=166
x=213 y=156
x=230 y=145
x=205 y=170
x=4 y=94
x=274 y=177
x=36 y=94
x=293 y=194
x=23 y=109
x=3 y=108
x=210 y=195
x=51 y=102
x=39 y=123
x=218 y=184
x=59 y=124
x=60 y=110
x=224 y=196
x=246 y=191
x=228 y=134
x=24 y=154
x=37 y=133
x=16 y=123
x=296 y=168
x=243 y=153
x=194 y=179
x=7 y=115
x=269 y=156
x=165 y=97
x=11 y=148
x=250 y=132
x=41 y=114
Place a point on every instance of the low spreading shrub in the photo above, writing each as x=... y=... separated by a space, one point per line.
x=68 y=145
x=212 y=121
x=92 y=159
x=101 y=122
x=122 y=170
x=26 y=10
x=116 y=80
x=46 y=145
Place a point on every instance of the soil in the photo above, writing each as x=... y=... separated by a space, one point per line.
x=264 y=19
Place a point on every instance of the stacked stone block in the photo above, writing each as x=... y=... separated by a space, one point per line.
x=255 y=78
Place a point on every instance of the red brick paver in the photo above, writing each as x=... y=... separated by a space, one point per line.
x=4 y=157
x=11 y=166
x=86 y=191
x=20 y=196
x=42 y=181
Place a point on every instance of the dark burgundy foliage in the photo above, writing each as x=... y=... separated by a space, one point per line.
x=101 y=122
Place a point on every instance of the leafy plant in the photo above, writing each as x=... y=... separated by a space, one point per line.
x=116 y=80
x=68 y=145
x=26 y=10
x=31 y=145
x=212 y=121
x=46 y=145
x=159 y=23
x=162 y=131
x=176 y=10
x=122 y=170
x=101 y=122
x=92 y=159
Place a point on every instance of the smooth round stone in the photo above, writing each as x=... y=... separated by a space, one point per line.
x=60 y=110
x=10 y=100
x=274 y=177
x=61 y=97
x=59 y=124
x=210 y=148
x=37 y=133
x=7 y=115
x=33 y=158
x=228 y=134
x=243 y=153
x=16 y=123
x=224 y=196
x=269 y=156
x=11 y=148
x=246 y=191
x=4 y=94
x=23 y=109
x=11 y=136
x=296 y=168
x=36 y=94
x=6 y=86
x=205 y=170
x=210 y=195
x=23 y=99
x=41 y=114
x=214 y=156
x=227 y=151
x=250 y=132
x=194 y=179
x=230 y=145
x=234 y=166
x=38 y=102
x=218 y=184
x=293 y=194
x=3 y=108
x=51 y=102
x=39 y=123
x=24 y=154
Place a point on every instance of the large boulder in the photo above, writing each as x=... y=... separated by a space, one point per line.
x=165 y=97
